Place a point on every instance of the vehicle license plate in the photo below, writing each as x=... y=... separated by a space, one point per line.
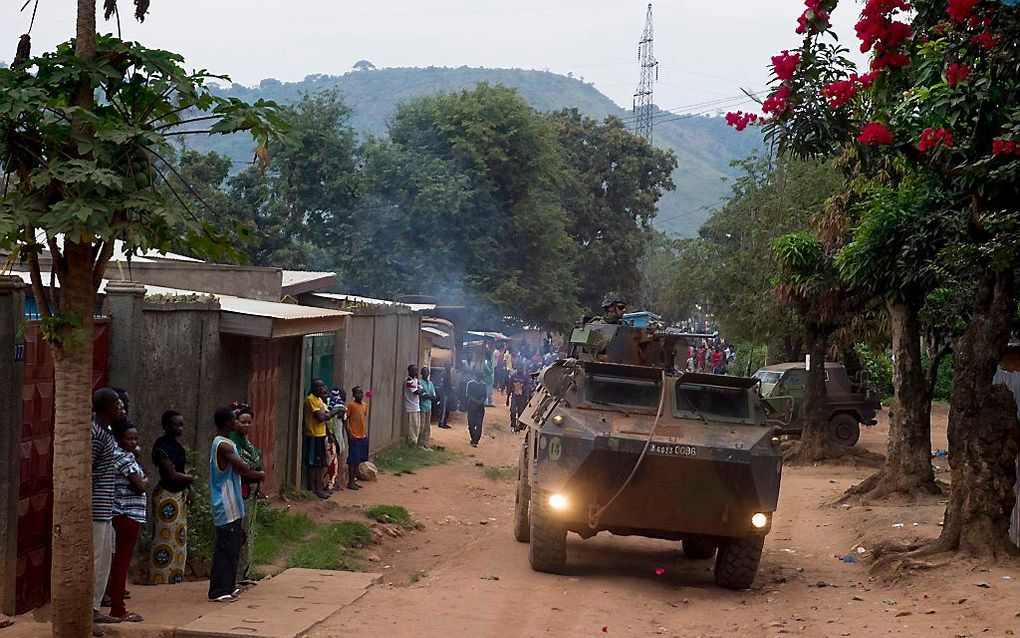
x=670 y=449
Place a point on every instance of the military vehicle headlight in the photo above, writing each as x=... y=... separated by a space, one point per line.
x=760 y=520
x=557 y=419
x=558 y=501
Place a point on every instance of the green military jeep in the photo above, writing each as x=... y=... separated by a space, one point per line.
x=849 y=405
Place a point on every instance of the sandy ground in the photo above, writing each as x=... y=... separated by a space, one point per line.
x=465 y=575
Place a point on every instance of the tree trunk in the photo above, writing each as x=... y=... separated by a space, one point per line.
x=71 y=569
x=907 y=467
x=984 y=435
x=814 y=440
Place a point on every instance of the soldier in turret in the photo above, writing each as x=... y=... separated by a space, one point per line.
x=613 y=308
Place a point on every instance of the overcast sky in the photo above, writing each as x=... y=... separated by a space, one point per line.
x=707 y=50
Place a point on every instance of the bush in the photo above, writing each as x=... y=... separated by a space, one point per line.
x=330 y=549
x=879 y=367
x=395 y=513
x=404 y=459
x=746 y=353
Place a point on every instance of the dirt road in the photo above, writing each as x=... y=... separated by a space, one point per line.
x=464 y=575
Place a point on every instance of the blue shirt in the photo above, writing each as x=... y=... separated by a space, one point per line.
x=126 y=501
x=429 y=388
x=224 y=487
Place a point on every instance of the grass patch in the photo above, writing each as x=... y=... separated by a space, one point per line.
x=395 y=513
x=331 y=547
x=404 y=459
x=501 y=473
x=276 y=530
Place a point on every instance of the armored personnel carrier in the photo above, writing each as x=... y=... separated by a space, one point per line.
x=618 y=440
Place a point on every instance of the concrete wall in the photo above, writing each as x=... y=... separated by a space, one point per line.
x=187 y=366
x=378 y=347
x=240 y=281
x=289 y=413
x=12 y=315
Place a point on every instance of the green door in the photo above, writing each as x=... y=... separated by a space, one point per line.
x=318 y=359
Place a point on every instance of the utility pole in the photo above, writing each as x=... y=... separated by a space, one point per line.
x=649 y=75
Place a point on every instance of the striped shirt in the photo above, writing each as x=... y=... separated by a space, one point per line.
x=224 y=487
x=103 y=473
x=126 y=502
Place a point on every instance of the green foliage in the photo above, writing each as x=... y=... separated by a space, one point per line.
x=54 y=328
x=878 y=363
x=501 y=473
x=405 y=459
x=898 y=240
x=332 y=547
x=748 y=359
x=93 y=174
x=201 y=529
x=943 y=379
x=704 y=145
x=612 y=183
x=276 y=531
x=393 y=513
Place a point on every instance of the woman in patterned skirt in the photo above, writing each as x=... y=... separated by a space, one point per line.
x=249 y=489
x=170 y=501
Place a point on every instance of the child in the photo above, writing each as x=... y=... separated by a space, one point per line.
x=357 y=436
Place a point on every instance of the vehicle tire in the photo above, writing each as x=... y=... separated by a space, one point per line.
x=843 y=430
x=736 y=564
x=522 y=524
x=698 y=548
x=548 y=550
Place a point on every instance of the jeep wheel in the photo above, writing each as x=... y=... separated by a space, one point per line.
x=522 y=526
x=844 y=430
x=548 y=550
x=737 y=562
x=698 y=548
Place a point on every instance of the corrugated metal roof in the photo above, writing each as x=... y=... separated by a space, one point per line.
x=372 y=301
x=119 y=253
x=292 y=277
x=254 y=307
x=435 y=331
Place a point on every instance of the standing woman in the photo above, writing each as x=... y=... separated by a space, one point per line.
x=252 y=456
x=170 y=501
x=128 y=514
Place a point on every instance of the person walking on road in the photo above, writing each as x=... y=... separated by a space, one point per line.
x=519 y=393
x=226 y=469
x=476 y=392
x=425 y=399
x=447 y=396
x=488 y=371
x=412 y=406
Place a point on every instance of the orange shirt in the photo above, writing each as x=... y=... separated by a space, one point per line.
x=357 y=419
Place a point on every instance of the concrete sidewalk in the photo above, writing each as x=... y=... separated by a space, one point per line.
x=284 y=606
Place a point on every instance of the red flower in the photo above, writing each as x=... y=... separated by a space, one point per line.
x=740 y=120
x=868 y=79
x=841 y=92
x=1005 y=147
x=985 y=39
x=785 y=65
x=960 y=10
x=813 y=19
x=875 y=133
x=930 y=138
x=957 y=73
x=776 y=103
x=891 y=60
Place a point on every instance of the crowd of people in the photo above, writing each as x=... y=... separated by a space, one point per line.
x=710 y=355
x=121 y=503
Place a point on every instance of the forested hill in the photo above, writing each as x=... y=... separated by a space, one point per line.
x=704 y=145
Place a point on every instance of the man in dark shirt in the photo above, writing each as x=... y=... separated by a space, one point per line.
x=476 y=395
x=447 y=397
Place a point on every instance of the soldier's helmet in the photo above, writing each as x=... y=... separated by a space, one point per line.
x=611 y=299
